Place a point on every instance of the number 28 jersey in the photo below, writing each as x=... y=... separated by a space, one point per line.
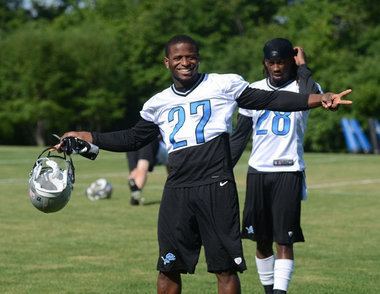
x=277 y=137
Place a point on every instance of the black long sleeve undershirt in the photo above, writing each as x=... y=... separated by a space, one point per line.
x=144 y=131
x=141 y=134
x=306 y=83
x=272 y=100
x=240 y=137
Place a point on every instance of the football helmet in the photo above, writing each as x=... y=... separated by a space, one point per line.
x=100 y=189
x=51 y=181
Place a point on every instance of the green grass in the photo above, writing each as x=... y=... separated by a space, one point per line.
x=107 y=246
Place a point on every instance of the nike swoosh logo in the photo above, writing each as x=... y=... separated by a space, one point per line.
x=223 y=183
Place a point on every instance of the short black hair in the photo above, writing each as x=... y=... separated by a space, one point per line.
x=180 y=39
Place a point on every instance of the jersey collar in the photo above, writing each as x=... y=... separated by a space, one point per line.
x=187 y=92
x=278 y=88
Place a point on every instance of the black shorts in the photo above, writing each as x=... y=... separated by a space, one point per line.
x=148 y=152
x=207 y=215
x=272 y=209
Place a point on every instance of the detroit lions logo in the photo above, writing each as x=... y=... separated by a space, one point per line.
x=250 y=230
x=168 y=258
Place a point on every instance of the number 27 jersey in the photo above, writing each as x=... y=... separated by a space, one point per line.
x=197 y=116
x=194 y=124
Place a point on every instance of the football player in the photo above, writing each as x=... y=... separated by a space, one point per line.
x=199 y=204
x=140 y=163
x=275 y=179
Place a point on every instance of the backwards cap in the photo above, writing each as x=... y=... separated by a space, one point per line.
x=278 y=48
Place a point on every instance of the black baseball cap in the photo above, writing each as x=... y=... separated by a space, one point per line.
x=278 y=48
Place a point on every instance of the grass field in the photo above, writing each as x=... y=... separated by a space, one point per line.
x=107 y=246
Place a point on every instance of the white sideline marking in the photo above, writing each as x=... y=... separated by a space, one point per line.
x=125 y=175
x=94 y=177
x=345 y=183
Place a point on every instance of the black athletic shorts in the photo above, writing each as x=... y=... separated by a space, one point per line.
x=272 y=209
x=148 y=152
x=207 y=215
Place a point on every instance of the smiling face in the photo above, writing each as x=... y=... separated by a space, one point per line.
x=183 y=60
x=279 y=71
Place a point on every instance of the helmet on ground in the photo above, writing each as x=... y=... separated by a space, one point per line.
x=51 y=182
x=100 y=189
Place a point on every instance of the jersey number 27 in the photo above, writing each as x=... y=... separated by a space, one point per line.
x=179 y=111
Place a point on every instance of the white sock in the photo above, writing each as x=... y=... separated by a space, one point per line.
x=283 y=269
x=265 y=268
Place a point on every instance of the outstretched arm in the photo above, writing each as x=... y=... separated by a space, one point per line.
x=120 y=141
x=288 y=101
x=329 y=100
x=142 y=133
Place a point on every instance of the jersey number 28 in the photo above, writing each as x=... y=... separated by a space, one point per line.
x=279 y=117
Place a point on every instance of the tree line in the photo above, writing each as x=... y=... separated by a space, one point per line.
x=91 y=64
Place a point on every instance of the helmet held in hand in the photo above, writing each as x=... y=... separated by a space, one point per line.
x=51 y=182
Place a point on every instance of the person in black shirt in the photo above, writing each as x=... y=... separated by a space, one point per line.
x=276 y=172
x=199 y=204
x=140 y=163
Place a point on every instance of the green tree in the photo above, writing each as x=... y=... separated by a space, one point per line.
x=83 y=63
x=341 y=46
x=51 y=80
x=12 y=15
x=36 y=76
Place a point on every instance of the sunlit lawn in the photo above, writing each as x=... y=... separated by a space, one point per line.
x=107 y=246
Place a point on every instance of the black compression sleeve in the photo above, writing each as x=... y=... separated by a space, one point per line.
x=272 y=100
x=305 y=81
x=131 y=139
x=240 y=137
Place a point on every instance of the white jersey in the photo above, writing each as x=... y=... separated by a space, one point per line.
x=195 y=125
x=198 y=115
x=277 y=137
